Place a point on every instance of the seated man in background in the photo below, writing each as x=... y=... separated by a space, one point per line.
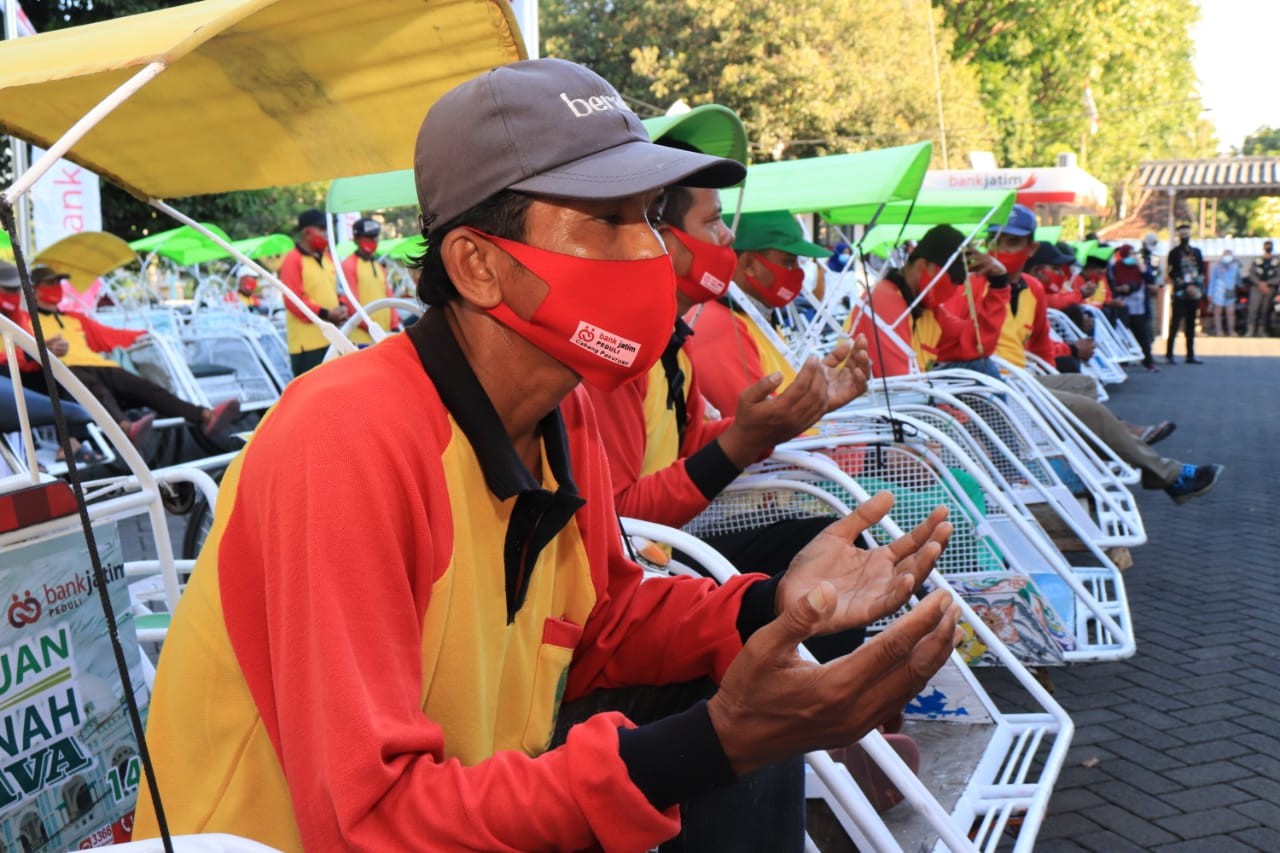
x=729 y=350
x=669 y=455
x=80 y=343
x=1027 y=330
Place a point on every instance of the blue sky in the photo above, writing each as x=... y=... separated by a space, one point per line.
x=1237 y=60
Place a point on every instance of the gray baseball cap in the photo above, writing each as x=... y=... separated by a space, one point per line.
x=546 y=127
x=9 y=276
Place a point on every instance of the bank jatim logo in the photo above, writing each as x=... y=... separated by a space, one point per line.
x=586 y=335
x=24 y=611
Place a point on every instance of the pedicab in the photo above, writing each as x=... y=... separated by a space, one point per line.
x=211 y=96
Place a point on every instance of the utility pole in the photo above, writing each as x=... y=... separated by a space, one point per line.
x=937 y=85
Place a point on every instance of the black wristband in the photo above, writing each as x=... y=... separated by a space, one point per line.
x=323 y=314
x=711 y=470
x=672 y=759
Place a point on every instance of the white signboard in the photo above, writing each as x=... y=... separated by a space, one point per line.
x=65 y=201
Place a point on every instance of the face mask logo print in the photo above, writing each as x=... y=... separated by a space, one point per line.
x=605 y=320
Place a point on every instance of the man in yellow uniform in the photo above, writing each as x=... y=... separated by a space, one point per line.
x=367 y=279
x=372 y=656
x=308 y=272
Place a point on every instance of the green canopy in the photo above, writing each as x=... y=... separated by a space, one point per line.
x=1048 y=233
x=372 y=192
x=264 y=247
x=931 y=207
x=184 y=246
x=820 y=184
x=710 y=128
x=5 y=242
x=1086 y=249
x=881 y=239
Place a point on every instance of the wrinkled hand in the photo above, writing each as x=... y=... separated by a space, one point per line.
x=846 y=369
x=772 y=704
x=1084 y=348
x=868 y=584
x=338 y=314
x=58 y=345
x=762 y=421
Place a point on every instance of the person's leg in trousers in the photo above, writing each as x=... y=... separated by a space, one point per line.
x=133 y=390
x=1158 y=472
x=1177 y=316
x=771 y=549
x=1256 y=301
x=1192 y=318
x=761 y=811
x=303 y=361
x=1073 y=383
x=92 y=379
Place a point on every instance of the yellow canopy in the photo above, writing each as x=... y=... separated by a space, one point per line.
x=260 y=92
x=86 y=255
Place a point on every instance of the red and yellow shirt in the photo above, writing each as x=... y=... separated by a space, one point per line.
x=313 y=279
x=373 y=660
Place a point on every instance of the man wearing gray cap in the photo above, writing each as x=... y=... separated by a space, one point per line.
x=373 y=657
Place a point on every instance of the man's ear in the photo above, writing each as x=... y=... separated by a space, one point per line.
x=476 y=266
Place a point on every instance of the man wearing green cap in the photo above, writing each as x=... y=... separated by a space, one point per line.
x=730 y=351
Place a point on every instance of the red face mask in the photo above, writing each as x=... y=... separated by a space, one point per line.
x=317 y=242
x=942 y=290
x=368 y=245
x=10 y=301
x=49 y=294
x=711 y=270
x=785 y=287
x=607 y=321
x=1013 y=261
x=248 y=285
x=1053 y=280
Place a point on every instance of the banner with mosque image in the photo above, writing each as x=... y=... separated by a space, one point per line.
x=69 y=770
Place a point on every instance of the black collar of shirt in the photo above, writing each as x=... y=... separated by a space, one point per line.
x=538 y=515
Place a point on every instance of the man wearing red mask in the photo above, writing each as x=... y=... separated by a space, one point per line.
x=81 y=343
x=1027 y=330
x=1053 y=269
x=922 y=309
x=367 y=278
x=308 y=271
x=730 y=351
x=373 y=655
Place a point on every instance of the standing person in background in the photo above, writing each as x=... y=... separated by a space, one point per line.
x=1185 y=272
x=308 y=272
x=1264 y=274
x=1143 y=325
x=1224 y=278
x=367 y=278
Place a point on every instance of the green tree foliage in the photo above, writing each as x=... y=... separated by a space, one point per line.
x=808 y=77
x=1249 y=217
x=1034 y=60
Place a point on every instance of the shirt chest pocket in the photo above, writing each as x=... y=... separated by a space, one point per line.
x=551 y=671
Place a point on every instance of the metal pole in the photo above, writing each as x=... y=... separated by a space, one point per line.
x=937 y=85
x=18 y=151
x=526 y=12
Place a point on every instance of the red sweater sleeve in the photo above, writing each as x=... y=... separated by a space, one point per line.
x=669 y=496
x=291 y=277
x=365 y=765
x=960 y=334
x=1061 y=299
x=102 y=338
x=889 y=306
x=725 y=356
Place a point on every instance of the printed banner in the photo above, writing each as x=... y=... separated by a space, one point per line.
x=69 y=770
x=64 y=201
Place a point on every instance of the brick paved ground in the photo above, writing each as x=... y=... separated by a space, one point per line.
x=1187 y=733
